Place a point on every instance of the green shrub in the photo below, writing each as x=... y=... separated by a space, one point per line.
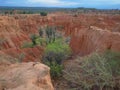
x=113 y=59
x=55 y=69
x=57 y=51
x=41 y=41
x=54 y=55
x=95 y=70
x=43 y=13
x=27 y=45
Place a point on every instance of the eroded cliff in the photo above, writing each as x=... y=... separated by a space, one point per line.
x=88 y=33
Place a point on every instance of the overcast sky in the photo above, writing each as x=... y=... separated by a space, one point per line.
x=63 y=3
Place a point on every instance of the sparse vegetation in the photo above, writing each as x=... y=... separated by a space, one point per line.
x=56 y=48
x=50 y=33
x=54 y=55
x=56 y=51
x=55 y=69
x=47 y=35
x=96 y=71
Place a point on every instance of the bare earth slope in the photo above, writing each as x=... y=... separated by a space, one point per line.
x=83 y=29
x=87 y=41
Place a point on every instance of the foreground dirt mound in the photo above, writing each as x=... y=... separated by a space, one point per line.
x=25 y=76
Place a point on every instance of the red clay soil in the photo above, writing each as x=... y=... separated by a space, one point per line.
x=88 y=33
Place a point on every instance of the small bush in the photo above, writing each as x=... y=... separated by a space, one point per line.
x=57 y=51
x=113 y=59
x=33 y=37
x=41 y=41
x=55 y=69
x=95 y=71
x=43 y=13
x=54 y=55
x=27 y=45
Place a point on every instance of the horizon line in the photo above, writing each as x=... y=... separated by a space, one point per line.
x=63 y=7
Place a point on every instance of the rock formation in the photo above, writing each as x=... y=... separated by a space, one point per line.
x=15 y=30
x=25 y=76
x=94 y=39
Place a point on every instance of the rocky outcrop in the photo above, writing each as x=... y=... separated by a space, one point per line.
x=25 y=76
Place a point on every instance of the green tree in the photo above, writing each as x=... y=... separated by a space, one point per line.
x=43 y=13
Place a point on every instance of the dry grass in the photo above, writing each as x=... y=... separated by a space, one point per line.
x=94 y=72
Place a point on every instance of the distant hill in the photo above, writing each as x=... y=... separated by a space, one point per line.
x=32 y=10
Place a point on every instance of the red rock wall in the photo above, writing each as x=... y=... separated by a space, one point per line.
x=87 y=41
x=84 y=38
x=14 y=31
